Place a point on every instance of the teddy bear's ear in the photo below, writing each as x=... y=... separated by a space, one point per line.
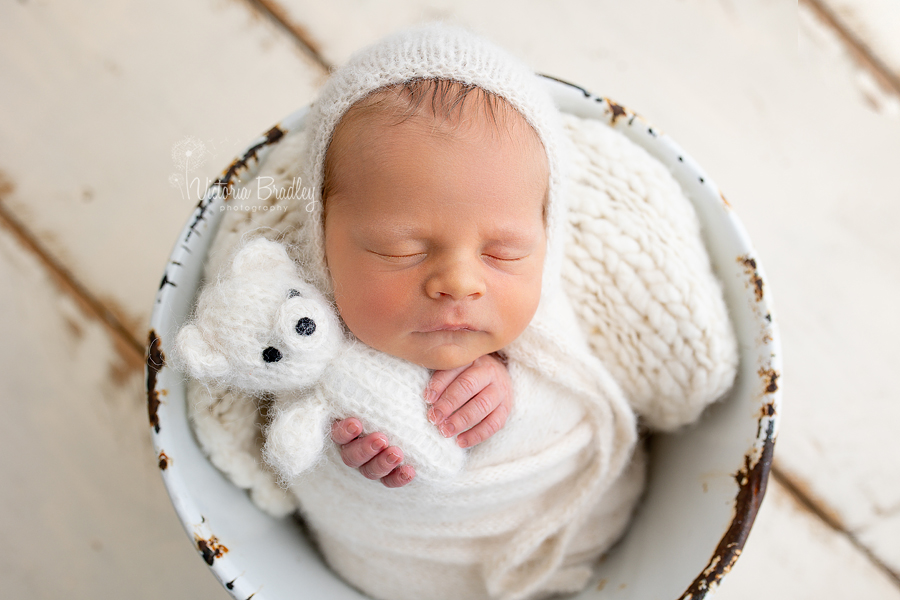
x=200 y=359
x=259 y=254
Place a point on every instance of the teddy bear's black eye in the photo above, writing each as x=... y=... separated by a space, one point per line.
x=306 y=326
x=292 y=293
x=271 y=354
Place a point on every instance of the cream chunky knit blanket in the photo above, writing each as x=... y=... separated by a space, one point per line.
x=631 y=322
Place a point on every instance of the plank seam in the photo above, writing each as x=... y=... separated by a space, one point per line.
x=813 y=505
x=859 y=50
x=272 y=10
x=72 y=286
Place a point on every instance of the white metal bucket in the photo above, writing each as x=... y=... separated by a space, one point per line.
x=705 y=484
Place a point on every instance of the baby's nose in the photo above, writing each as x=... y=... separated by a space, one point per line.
x=457 y=280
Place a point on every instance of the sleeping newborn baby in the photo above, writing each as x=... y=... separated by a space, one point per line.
x=436 y=233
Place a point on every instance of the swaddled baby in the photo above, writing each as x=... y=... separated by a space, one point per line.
x=436 y=230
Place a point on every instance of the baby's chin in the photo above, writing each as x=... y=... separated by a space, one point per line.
x=446 y=364
x=439 y=351
x=447 y=356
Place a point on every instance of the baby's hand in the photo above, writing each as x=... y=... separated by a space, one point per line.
x=371 y=454
x=474 y=399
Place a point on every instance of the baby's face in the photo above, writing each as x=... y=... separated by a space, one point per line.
x=436 y=240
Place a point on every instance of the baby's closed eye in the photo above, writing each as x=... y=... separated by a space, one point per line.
x=399 y=257
x=507 y=253
x=504 y=257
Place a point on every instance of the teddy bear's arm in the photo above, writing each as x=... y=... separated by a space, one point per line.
x=296 y=436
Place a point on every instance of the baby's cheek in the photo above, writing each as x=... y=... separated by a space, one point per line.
x=375 y=310
x=517 y=304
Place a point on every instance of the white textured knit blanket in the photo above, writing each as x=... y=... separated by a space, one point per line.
x=540 y=501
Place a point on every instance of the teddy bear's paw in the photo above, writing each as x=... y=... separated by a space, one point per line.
x=295 y=439
x=273 y=499
x=198 y=357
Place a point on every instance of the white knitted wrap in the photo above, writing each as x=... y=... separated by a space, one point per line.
x=551 y=345
x=542 y=499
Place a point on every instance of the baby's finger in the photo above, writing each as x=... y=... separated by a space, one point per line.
x=472 y=412
x=384 y=463
x=466 y=386
x=362 y=450
x=439 y=382
x=482 y=431
x=345 y=431
x=399 y=477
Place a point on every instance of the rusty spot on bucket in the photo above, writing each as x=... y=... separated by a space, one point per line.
x=752 y=271
x=616 y=109
x=224 y=183
x=163 y=461
x=751 y=480
x=155 y=362
x=272 y=136
x=210 y=549
x=770 y=379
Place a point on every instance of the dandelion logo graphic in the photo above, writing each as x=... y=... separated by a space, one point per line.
x=188 y=155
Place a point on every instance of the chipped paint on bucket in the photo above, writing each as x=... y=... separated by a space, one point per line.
x=699 y=506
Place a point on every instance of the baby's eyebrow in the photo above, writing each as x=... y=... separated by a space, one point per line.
x=497 y=234
x=392 y=228
x=511 y=235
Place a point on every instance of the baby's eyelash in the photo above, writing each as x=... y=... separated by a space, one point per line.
x=397 y=257
x=505 y=259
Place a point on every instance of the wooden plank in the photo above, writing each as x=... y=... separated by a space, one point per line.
x=874 y=25
x=93 y=102
x=804 y=157
x=840 y=42
x=791 y=555
x=847 y=456
x=85 y=513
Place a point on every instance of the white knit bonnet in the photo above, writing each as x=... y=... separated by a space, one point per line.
x=428 y=52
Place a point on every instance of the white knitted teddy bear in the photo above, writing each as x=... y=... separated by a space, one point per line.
x=262 y=328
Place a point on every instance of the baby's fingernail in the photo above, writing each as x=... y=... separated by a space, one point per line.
x=435 y=416
x=393 y=457
x=350 y=429
x=446 y=429
x=462 y=442
x=429 y=395
x=378 y=445
x=405 y=476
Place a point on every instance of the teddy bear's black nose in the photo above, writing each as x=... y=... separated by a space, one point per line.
x=271 y=354
x=305 y=326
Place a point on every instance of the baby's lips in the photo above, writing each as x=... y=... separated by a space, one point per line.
x=448 y=325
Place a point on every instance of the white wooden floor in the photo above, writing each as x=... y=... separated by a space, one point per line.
x=794 y=110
